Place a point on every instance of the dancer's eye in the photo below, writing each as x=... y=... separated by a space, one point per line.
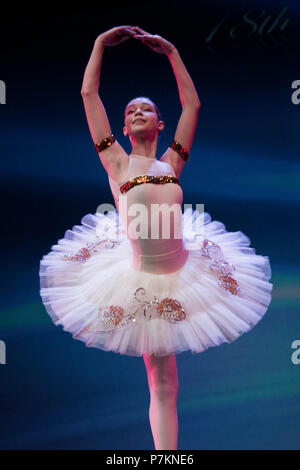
x=130 y=111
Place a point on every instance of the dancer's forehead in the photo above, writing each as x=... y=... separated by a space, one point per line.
x=139 y=101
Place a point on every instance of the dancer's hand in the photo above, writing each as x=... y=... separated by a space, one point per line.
x=116 y=35
x=154 y=41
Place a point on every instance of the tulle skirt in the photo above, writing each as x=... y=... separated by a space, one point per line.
x=88 y=286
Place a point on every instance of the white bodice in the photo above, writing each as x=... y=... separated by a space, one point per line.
x=151 y=215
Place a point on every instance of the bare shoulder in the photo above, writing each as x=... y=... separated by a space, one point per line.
x=172 y=158
x=115 y=161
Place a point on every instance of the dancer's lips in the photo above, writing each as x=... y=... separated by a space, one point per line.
x=139 y=119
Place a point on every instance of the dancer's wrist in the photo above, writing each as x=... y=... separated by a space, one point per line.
x=172 y=51
x=99 y=42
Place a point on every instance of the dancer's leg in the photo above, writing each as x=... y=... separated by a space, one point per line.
x=163 y=386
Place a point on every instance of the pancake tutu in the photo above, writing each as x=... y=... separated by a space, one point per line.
x=89 y=287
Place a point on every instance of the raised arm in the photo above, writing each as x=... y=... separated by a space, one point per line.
x=191 y=105
x=112 y=157
x=189 y=99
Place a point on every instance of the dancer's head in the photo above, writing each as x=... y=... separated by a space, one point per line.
x=142 y=108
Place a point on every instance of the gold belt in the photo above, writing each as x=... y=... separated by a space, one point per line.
x=148 y=179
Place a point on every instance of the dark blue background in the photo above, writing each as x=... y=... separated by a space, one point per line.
x=244 y=166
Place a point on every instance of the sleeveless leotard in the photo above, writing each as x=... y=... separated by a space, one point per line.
x=150 y=209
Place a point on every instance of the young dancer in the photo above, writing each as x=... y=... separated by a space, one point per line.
x=147 y=282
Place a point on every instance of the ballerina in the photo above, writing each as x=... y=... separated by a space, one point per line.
x=120 y=289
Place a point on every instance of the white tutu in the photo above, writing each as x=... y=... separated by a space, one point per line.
x=89 y=287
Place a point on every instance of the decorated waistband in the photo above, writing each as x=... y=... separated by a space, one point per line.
x=148 y=179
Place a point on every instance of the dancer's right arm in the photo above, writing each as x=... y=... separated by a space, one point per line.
x=112 y=157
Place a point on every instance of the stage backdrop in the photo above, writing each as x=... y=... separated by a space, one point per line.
x=243 y=57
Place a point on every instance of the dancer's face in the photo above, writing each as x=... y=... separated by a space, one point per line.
x=141 y=117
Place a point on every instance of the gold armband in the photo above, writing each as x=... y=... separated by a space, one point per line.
x=104 y=143
x=180 y=150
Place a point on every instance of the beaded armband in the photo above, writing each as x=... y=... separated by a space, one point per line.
x=180 y=150
x=104 y=143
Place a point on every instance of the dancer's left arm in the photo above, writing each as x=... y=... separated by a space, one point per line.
x=187 y=93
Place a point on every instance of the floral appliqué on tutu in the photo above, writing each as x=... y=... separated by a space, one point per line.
x=114 y=316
